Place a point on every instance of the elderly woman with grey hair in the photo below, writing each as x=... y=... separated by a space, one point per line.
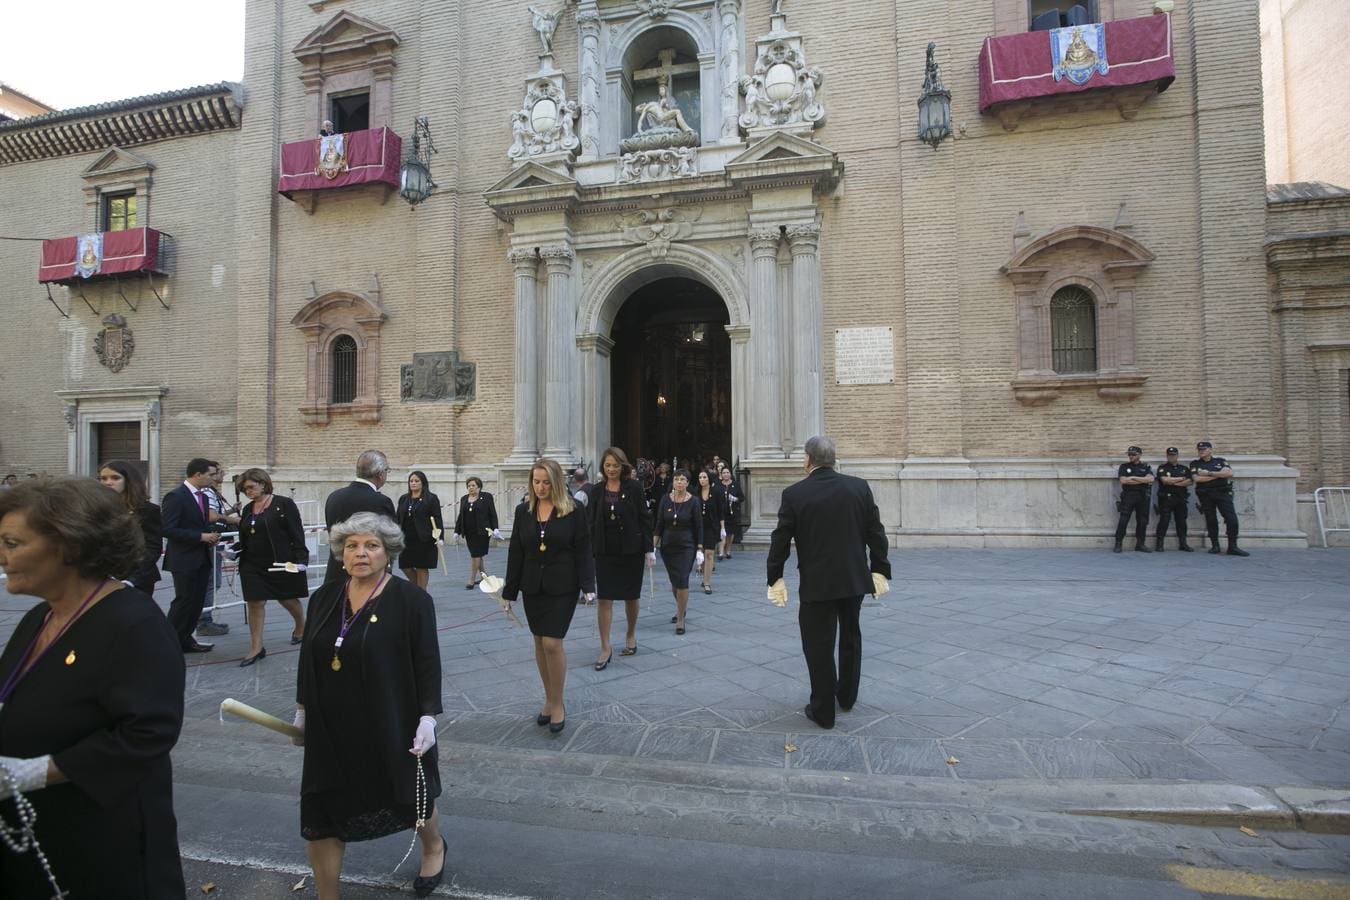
x=369 y=691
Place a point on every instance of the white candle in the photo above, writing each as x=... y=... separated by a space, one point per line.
x=257 y=716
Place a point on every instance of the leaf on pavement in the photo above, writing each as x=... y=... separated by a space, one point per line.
x=1247 y=831
x=299 y=885
x=209 y=887
x=952 y=760
x=791 y=748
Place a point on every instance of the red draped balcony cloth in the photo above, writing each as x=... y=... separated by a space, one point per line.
x=135 y=251
x=373 y=157
x=1018 y=66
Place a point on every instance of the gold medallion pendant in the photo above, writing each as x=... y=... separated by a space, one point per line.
x=336 y=664
x=70 y=658
x=542 y=546
x=374 y=618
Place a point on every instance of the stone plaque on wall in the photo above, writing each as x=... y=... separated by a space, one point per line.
x=864 y=355
x=437 y=376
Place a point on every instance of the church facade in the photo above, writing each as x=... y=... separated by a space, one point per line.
x=694 y=227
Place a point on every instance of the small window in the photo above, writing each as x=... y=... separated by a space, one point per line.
x=344 y=370
x=1073 y=331
x=350 y=112
x=119 y=212
x=1043 y=15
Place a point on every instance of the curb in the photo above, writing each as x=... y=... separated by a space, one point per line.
x=1317 y=810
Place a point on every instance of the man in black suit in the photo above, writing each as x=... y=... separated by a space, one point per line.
x=362 y=495
x=189 y=555
x=835 y=523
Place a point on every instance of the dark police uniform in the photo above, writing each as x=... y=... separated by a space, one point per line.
x=1172 y=501
x=1216 y=499
x=1133 y=501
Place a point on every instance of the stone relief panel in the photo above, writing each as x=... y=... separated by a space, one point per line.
x=438 y=376
x=658 y=165
x=657 y=228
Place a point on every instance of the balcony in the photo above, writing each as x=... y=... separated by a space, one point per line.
x=105 y=255
x=1131 y=62
x=366 y=157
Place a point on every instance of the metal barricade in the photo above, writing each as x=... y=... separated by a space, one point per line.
x=229 y=586
x=1333 y=510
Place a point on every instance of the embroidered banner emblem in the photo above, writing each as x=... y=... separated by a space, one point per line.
x=88 y=255
x=332 y=156
x=1078 y=51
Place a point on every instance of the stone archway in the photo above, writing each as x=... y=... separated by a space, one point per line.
x=605 y=295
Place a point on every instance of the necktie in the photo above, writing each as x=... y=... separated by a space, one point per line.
x=201 y=501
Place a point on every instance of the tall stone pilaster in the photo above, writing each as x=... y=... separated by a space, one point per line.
x=526 y=416
x=729 y=40
x=560 y=355
x=808 y=411
x=766 y=436
x=592 y=75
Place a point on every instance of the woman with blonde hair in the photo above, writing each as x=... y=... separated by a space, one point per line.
x=550 y=562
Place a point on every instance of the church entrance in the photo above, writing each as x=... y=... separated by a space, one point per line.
x=671 y=374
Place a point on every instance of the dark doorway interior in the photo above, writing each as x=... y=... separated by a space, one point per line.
x=671 y=373
x=350 y=112
x=118 y=440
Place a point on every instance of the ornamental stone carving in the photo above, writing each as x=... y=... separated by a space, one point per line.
x=152 y=411
x=657 y=9
x=437 y=376
x=658 y=228
x=545 y=124
x=71 y=413
x=781 y=90
x=658 y=165
x=114 y=344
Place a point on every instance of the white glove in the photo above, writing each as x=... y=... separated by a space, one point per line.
x=440 y=543
x=698 y=559
x=425 y=738
x=724 y=534
x=589 y=598
x=879 y=584
x=299 y=722
x=497 y=533
x=778 y=593
x=651 y=558
x=27 y=774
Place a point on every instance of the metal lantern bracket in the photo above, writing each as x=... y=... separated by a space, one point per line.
x=150 y=282
x=117 y=284
x=80 y=292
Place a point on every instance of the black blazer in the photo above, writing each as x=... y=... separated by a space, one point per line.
x=732 y=498
x=431 y=505
x=152 y=529
x=183 y=528
x=344 y=503
x=714 y=511
x=564 y=568
x=281 y=526
x=632 y=515
x=835 y=523
x=486 y=507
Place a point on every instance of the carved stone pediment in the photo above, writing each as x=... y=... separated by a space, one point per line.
x=345 y=36
x=118 y=162
x=782 y=155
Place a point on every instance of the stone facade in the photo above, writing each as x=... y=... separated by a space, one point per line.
x=802 y=226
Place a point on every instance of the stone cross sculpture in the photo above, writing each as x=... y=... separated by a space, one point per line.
x=545 y=24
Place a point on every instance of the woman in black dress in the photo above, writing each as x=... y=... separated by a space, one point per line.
x=731 y=509
x=476 y=523
x=91 y=684
x=272 y=554
x=128 y=481
x=621 y=532
x=679 y=537
x=714 y=524
x=419 y=515
x=550 y=562
x=368 y=693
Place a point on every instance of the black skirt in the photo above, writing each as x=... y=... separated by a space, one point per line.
x=420 y=555
x=619 y=577
x=261 y=585
x=679 y=560
x=550 y=616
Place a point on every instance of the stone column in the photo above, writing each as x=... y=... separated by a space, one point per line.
x=588 y=22
x=526 y=432
x=729 y=40
x=808 y=413
x=740 y=382
x=559 y=355
x=596 y=411
x=710 y=103
x=766 y=426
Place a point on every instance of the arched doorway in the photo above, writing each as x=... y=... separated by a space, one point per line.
x=671 y=373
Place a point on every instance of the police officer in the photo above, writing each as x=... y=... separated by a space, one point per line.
x=1174 y=479
x=1136 y=479
x=1214 y=489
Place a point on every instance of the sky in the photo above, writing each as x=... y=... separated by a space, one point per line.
x=68 y=53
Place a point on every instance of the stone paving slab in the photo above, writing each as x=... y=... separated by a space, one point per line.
x=1039 y=664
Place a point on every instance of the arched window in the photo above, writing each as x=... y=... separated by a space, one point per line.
x=343 y=370
x=1073 y=331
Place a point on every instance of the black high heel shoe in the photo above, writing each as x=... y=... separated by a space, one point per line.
x=250 y=660
x=423 y=886
x=557 y=727
x=542 y=719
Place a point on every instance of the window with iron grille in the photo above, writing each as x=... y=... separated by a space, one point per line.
x=1073 y=331
x=119 y=212
x=344 y=370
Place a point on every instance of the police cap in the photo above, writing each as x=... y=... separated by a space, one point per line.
x=1204 y=445
x=1133 y=450
x=1172 y=451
